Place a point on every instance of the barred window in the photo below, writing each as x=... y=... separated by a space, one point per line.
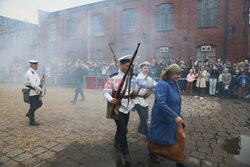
x=97 y=55
x=52 y=32
x=128 y=21
x=72 y=28
x=127 y=51
x=98 y=25
x=207 y=13
x=163 y=53
x=164 y=17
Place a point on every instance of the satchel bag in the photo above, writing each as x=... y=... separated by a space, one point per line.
x=172 y=152
x=26 y=94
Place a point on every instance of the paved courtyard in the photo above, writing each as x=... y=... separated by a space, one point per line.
x=80 y=135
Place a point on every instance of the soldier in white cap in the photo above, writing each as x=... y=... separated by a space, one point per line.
x=143 y=85
x=125 y=106
x=33 y=81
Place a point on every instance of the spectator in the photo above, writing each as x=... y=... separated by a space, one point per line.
x=226 y=80
x=243 y=80
x=213 y=80
x=190 y=79
x=201 y=82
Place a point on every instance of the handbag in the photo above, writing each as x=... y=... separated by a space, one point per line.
x=26 y=94
x=172 y=152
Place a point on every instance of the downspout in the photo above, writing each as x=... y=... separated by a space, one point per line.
x=246 y=28
x=225 y=31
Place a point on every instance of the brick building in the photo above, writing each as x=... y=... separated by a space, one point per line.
x=181 y=29
x=18 y=40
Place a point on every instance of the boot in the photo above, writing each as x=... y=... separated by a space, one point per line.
x=154 y=158
x=181 y=165
x=126 y=157
x=117 y=145
x=28 y=115
x=34 y=123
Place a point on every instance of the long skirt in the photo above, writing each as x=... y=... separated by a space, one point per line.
x=172 y=152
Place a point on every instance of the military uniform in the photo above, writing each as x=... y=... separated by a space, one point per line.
x=143 y=84
x=125 y=106
x=32 y=80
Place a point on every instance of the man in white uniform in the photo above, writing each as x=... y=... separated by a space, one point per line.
x=125 y=106
x=143 y=85
x=33 y=81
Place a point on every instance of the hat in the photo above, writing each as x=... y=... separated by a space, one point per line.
x=246 y=61
x=191 y=70
x=145 y=63
x=243 y=73
x=226 y=69
x=33 y=61
x=125 y=59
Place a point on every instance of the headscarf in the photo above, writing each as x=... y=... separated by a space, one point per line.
x=172 y=69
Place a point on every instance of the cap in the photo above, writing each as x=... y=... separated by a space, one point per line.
x=191 y=70
x=33 y=61
x=246 y=61
x=145 y=63
x=125 y=59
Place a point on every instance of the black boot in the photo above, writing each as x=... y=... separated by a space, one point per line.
x=126 y=157
x=117 y=145
x=34 y=123
x=154 y=158
x=181 y=165
x=28 y=115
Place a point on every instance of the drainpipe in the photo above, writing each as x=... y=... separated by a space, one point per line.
x=225 y=31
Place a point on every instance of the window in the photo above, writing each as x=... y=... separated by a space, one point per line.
x=72 y=28
x=2 y=20
x=52 y=32
x=164 y=17
x=127 y=51
x=249 y=15
x=128 y=21
x=207 y=13
x=163 y=53
x=97 y=55
x=98 y=25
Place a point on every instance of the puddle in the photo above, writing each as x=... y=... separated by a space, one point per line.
x=239 y=147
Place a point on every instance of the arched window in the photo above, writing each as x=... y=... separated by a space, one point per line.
x=207 y=13
x=128 y=21
x=164 y=17
x=52 y=32
x=97 y=25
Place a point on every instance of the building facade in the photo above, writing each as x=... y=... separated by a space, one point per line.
x=181 y=29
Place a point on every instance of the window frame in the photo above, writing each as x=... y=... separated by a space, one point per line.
x=160 y=13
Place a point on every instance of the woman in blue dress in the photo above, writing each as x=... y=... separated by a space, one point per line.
x=166 y=113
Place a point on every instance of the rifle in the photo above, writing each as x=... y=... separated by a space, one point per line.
x=43 y=85
x=118 y=94
x=114 y=57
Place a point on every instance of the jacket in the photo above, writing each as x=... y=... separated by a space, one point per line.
x=166 y=108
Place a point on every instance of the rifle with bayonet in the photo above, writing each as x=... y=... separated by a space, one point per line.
x=117 y=94
x=114 y=57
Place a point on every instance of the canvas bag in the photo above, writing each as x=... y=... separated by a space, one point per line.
x=26 y=93
x=172 y=152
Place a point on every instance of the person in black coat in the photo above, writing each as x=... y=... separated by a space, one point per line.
x=78 y=73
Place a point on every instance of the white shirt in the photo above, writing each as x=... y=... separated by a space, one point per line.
x=32 y=79
x=113 y=84
x=145 y=85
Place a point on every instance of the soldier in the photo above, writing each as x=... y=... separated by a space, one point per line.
x=144 y=83
x=33 y=81
x=125 y=106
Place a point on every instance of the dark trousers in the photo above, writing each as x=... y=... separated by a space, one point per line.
x=143 y=114
x=121 y=131
x=201 y=91
x=35 y=103
x=77 y=91
x=189 y=88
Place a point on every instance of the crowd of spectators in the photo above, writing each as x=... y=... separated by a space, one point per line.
x=223 y=78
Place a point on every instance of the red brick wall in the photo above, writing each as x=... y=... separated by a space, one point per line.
x=184 y=26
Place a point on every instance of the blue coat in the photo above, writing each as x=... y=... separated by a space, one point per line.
x=240 y=79
x=166 y=109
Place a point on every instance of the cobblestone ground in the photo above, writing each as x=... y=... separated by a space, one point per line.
x=80 y=135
